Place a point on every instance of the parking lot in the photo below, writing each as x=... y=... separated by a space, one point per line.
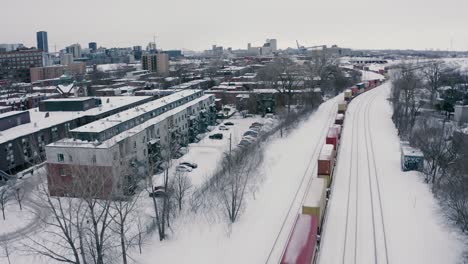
x=208 y=152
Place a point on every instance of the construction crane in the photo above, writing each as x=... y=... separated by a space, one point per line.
x=303 y=49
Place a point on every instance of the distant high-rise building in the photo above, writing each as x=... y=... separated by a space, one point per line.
x=137 y=52
x=42 y=42
x=151 y=47
x=92 y=46
x=273 y=44
x=158 y=63
x=66 y=58
x=74 y=49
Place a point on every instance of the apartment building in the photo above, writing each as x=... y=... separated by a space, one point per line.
x=24 y=134
x=120 y=150
x=158 y=63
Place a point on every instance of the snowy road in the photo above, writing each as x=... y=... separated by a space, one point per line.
x=378 y=214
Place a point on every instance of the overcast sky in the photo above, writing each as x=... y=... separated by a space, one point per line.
x=197 y=24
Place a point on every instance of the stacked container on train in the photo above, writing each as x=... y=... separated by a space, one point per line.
x=302 y=243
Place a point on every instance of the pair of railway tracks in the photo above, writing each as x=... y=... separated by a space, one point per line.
x=362 y=113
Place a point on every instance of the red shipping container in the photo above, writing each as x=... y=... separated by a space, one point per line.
x=354 y=90
x=332 y=137
x=301 y=245
x=326 y=160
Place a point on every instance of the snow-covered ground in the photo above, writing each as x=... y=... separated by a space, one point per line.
x=288 y=164
x=368 y=75
x=15 y=218
x=377 y=213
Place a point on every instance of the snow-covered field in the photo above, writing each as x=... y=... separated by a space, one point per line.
x=288 y=164
x=403 y=223
x=15 y=218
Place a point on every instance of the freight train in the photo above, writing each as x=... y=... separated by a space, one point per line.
x=303 y=241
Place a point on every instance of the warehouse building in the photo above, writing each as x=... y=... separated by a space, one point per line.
x=115 y=153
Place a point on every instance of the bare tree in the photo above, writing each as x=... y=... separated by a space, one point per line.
x=406 y=104
x=285 y=76
x=64 y=229
x=76 y=229
x=5 y=197
x=122 y=213
x=434 y=140
x=180 y=184
x=231 y=186
x=7 y=251
x=432 y=73
x=19 y=196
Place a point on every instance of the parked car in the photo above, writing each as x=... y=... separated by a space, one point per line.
x=249 y=138
x=256 y=124
x=244 y=143
x=228 y=123
x=189 y=164
x=216 y=136
x=270 y=115
x=252 y=133
x=223 y=128
x=183 y=168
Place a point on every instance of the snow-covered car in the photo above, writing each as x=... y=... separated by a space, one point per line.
x=256 y=124
x=249 y=138
x=216 y=136
x=223 y=128
x=251 y=133
x=244 y=143
x=189 y=164
x=183 y=168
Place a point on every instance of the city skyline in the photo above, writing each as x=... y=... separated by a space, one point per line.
x=198 y=25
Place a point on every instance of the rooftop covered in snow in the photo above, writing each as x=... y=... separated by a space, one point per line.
x=144 y=111
x=42 y=120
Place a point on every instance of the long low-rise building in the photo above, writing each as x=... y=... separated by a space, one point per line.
x=115 y=153
x=26 y=133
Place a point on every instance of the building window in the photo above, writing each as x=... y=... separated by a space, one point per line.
x=93 y=159
x=60 y=157
x=70 y=158
x=134 y=145
x=62 y=172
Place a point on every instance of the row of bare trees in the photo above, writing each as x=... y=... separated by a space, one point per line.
x=88 y=229
x=290 y=78
x=444 y=146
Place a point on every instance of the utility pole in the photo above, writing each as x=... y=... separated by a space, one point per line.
x=230 y=143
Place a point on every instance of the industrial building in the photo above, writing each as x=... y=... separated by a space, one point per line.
x=118 y=151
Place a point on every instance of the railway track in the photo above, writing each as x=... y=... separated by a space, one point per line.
x=377 y=192
x=313 y=157
x=360 y=151
x=361 y=121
